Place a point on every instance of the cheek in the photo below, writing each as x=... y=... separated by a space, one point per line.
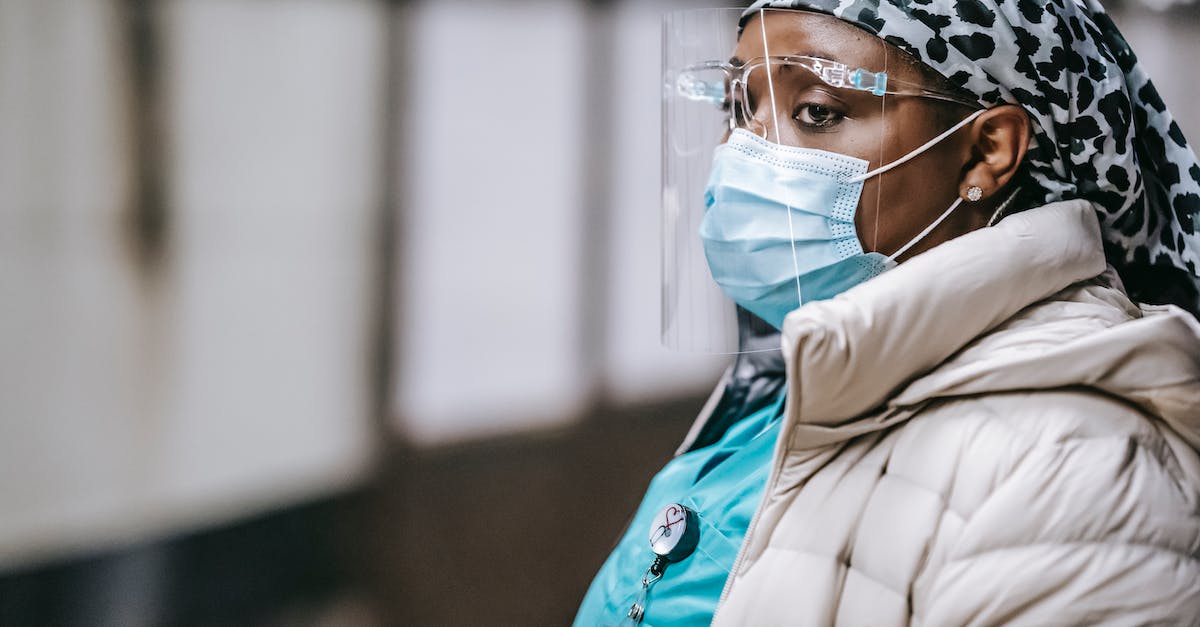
x=894 y=207
x=891 y=204
x=900 y=203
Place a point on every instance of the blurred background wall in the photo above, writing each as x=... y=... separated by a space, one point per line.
x=324 y=312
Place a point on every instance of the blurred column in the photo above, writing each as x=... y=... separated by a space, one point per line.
x=491 y=219
x=73 y=430
x=233 y=376
x=274 y=110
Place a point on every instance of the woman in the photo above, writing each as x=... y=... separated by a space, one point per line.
x=971 y=421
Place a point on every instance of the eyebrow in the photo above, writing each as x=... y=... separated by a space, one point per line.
x=821 y=54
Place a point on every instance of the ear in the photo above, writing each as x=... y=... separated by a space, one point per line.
x=998 y=141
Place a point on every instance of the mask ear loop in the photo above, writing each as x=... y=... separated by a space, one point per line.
x=999 y=213
x=920 y=149
x=933 y=225
x=762 y=24
x=912 y=155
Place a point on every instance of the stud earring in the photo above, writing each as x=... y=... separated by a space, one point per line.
x=974 y=193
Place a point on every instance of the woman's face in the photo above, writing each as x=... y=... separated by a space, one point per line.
x=894 y=206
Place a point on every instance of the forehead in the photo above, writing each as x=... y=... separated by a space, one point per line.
x=794 y=32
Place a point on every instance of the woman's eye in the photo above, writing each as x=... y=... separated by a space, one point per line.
x=817 y=115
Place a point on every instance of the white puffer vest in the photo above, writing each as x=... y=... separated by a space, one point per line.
x=990 y=434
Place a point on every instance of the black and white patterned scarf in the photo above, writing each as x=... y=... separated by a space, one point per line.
x=1100 y=130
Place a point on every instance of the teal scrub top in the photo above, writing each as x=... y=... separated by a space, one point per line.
x=723 y=484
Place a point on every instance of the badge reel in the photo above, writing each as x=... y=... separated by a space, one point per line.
x=674 y=533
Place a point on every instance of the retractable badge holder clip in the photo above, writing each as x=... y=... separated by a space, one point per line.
x=674 y=533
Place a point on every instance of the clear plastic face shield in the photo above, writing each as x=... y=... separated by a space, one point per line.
x=781 y=127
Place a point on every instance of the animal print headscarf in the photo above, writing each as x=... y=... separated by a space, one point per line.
x=1100 y=130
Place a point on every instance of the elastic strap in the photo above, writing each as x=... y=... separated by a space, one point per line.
x=922 y=234
x=915 y=153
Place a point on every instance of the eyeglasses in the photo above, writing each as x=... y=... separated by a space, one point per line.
x=726 y=85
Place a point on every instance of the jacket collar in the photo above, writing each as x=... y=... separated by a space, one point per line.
x=1090 y=335
x=851 y=354
x=752 y=382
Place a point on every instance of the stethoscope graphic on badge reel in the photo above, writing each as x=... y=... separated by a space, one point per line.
x=674 y=534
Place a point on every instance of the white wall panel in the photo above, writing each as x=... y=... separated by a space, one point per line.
x=275 y=112
x=70 y=405
x=235 y=378
x=1168 y=46
x=492 y=219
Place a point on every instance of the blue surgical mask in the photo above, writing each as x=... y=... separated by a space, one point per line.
x=778 y=230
